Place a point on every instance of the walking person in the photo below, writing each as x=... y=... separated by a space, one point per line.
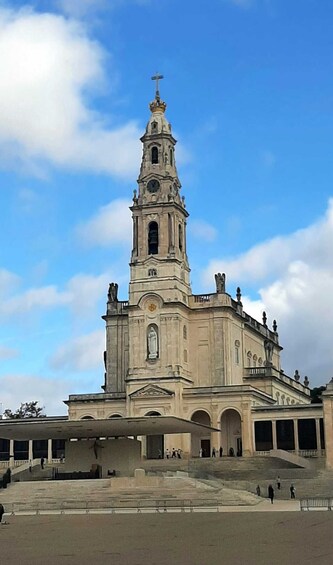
x=2 y=511
x=271 y=493
x=173 y=453
x=213 y=452
x=278 y=482
x=200 y=452
x=167 y=454
x=42 y=461
x=221 y=451
x=258 y=491
x=292 y=491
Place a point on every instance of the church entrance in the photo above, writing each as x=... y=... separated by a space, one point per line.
x=200 y=443
x=154 y=444
x=231 y=432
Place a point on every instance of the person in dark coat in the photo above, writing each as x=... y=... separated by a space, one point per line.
x=292 y=491
x=221 y=451
x=2 y=511
x=271 y=493
x=42 y=461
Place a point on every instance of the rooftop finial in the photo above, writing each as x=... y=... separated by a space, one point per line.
x=156 y=78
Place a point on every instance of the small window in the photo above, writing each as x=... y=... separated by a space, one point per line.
x=152 y=273
x=154 y=127
x=171 y=157
x=185 y=355
x=185 y=332
x=154 y=155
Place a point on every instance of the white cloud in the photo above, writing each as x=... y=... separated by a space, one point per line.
x=266 y=260
x=81 y=8
x=17 y=388
x=48 y=68
x=202 y=230
x=8 y=352
x=296 y=277
x=8 y=282
x=112 y=225
x=81 y=294
x=81 y=354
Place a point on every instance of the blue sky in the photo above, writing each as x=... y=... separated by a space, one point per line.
x=249 y=88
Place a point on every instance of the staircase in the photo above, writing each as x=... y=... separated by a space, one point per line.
x=105 y=494
x=246 y=473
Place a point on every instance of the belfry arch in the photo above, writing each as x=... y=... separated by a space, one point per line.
x=200 y=444
x=231 y=432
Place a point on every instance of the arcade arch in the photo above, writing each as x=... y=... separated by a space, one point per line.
x=200 y=443
x=231 y=432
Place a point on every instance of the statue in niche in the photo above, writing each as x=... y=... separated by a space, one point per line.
x=152 y=343
x=220 y=283
x=269 y=348
x=113 y=292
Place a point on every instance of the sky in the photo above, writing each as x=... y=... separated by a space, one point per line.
x=249 y=89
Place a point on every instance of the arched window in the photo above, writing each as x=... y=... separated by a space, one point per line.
x=154 y=127
x=180 y=237
x=249 y=358
x=254 y=360
x=154 y=155
x=153 y=238
x=237 y=357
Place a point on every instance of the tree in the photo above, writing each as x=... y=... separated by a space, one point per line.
x=26 y=410
x=315 y=394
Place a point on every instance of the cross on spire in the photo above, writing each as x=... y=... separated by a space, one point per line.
x=156 y=78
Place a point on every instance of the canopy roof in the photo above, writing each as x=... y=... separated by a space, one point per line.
x=58 y=428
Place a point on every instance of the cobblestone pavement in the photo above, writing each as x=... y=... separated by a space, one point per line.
x=260 y=538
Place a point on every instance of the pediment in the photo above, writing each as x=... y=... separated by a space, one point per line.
x=151 y=391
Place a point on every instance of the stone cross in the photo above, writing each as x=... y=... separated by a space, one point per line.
x=156 y=78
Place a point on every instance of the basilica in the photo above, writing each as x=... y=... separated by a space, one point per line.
x=200 y=358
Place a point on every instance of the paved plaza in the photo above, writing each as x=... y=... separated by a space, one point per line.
x=254 y=538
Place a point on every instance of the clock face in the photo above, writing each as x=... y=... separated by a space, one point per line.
x=153 y=185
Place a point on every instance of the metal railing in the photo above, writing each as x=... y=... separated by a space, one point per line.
x=138 y=505
x=314 y=503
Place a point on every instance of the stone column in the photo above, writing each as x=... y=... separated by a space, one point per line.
x=30 y=451
x=318 y=437
x=327 y=397
x=11 y=453
x=215 y=439
x=49 y=450
x=296 y=437
x=274 y=436
x=247 y=439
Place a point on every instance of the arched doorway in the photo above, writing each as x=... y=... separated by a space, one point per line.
x=231 y=432
x=200 y=443
x=154 y=444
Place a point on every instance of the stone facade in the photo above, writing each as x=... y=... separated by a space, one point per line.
x=170 y=352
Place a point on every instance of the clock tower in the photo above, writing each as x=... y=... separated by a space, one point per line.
x=159 y=261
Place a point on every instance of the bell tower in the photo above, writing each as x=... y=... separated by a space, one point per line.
x=159 y=261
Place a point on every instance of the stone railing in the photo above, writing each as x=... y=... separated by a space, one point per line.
x=198 y=298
